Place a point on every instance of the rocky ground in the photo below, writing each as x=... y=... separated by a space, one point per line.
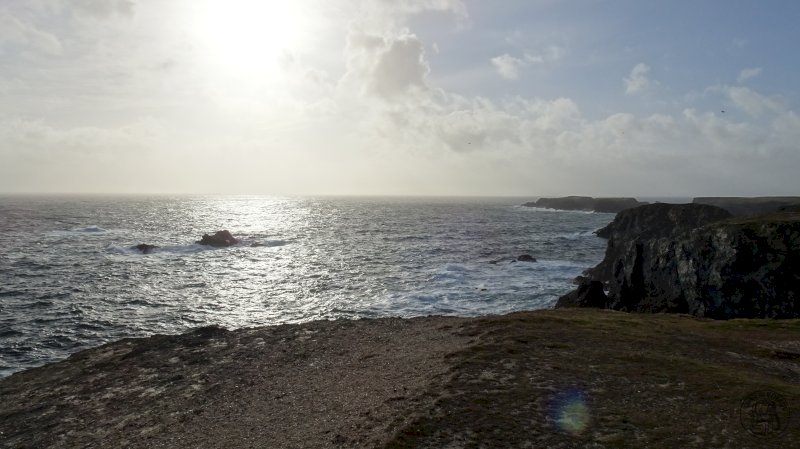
x=570 y=378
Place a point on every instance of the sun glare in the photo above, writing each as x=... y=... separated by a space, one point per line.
x=249 y=35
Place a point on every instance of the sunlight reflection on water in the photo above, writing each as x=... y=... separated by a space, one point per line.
x=314 y=258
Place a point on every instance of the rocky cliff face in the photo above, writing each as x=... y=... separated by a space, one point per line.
x=696 y=259
x=742 y=206
x=650 y=223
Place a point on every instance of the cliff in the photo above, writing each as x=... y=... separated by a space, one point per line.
x=585 y=203
x=549 y=378
x=742 y=206
x=695 y=259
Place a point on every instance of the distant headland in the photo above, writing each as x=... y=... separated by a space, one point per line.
x=586 y=203
x=736 y=205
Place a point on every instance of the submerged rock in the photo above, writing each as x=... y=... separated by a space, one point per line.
x=219 y=239
x=512 y=259
x=144 y=248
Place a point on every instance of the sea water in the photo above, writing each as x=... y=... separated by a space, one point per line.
x=70 y=279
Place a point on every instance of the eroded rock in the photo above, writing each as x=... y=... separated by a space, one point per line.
x=219 y=239
x=144 y=248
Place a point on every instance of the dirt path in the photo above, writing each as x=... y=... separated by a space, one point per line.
x=557 y=379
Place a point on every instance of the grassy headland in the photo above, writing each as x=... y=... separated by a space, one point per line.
x=552 y=378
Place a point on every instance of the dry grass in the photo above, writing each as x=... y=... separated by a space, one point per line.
x=569 y=378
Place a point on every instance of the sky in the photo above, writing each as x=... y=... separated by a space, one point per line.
x=400 y=97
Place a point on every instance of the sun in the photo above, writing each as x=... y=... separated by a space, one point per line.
x=248 y=35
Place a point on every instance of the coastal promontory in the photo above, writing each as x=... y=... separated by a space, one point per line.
x=586 y=203
x=545 y=379
x=743 y=206
x=697 y=259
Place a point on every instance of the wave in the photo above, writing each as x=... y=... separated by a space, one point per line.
x=90 y=229
x=191 y=248
x=159 y=250
x=266 y=243
x=87 y=230
x=546 y=209
x=576 y=235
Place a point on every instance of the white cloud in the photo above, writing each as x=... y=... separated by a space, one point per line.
x=456 y=7
x=508 y=66
x=638 y=82
x=748 y=100
x=385 y=66
x=369 y=118
x=748 y=73
x=104 y=8
x=389 y=16
x=400 y=66
x=14 y=31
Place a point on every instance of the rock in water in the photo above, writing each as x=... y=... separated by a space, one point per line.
x=219 y=239
x=144 y=248
x=526 y=258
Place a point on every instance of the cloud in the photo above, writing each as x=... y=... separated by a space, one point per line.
x=14 y=31
x=456 y=7
x=508 y=66
x=638 y=82
x=400 y=66
x=38 y=156
x=104 y=8
x=748 y=73
x=385 y=66
x=388 y=16
x=34 y=137
x=371 y=118
x=748 y=100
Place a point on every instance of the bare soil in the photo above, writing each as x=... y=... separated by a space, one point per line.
x=568 y=378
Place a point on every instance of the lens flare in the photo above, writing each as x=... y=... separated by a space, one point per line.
x=570 y=412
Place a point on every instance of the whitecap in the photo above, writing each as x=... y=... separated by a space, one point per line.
x=456 y=267
x=264 y=244
x=547 y=209
x=576 y=235
x=90 y=229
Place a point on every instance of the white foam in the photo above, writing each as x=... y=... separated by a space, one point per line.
x=576 y=235
x=560 y=211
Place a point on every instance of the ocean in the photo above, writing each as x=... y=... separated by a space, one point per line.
x=70 y=279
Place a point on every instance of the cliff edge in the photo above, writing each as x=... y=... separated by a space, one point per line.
x=697 y=259
x=544 y=379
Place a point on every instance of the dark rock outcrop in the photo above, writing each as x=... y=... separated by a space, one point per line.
x=588 y=294
x=585 y=203
x=648 y=223
x=219 y=239
x=743 y=206
x=144 y=248
x=695 y=259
